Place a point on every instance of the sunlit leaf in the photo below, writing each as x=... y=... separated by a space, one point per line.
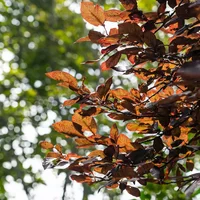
x=68 y=128
x=46 y=145
x=64 y=77
x=93 y=14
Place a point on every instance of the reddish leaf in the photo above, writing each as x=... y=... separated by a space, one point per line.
x=111 y=61
x=109 y=40
x=46 y=145
x=133 y=191
x=83 y=39
x=94 y=36
x=93 y=14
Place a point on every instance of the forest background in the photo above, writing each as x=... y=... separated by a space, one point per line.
x=37 y=37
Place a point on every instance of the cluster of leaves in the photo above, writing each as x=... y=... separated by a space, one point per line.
x=164 y=109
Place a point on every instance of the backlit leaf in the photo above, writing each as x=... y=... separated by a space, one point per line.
x=46 y=145
x=68 y=128
x=113 y=15
x=64 y=77
x=93 y=14
x=81 y=178
x=114 y=132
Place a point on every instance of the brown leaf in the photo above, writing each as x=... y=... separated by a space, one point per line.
x=145 y=168
x=123 y=117
x=190 y=70
x=94 y=36
x=120 y=93
x=86 y=123
x=83 y=39
x=65 y=77
x=114 y=133
x=96 y=153
x=130 y=28
x=83 y=142
x=109 y=40
x=81 y=178
x=58 y=147
x=68 y=128
x=133 y=191
x=111 y=61
x=70 y=102
x=150 y=39
x=92 y=111
x=113 y=15
x=93 y=14
x=53 y=155
x=189 y=165
x=141 y=128
x=129 y=4
x=46 y=145
x=124 y=143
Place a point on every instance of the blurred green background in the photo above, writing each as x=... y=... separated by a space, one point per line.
x=37 y=36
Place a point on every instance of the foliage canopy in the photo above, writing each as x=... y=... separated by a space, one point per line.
x=162 y=112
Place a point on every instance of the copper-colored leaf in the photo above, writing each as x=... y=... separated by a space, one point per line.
x=134 y=126
x=111 y=61
x=124 y=143
x=64 y=77
x=133 y=191
x=83 y=142
x=114 y=133
x=46 y=145
x=83 y=39
x=68 y=128
x=96 y=153
x=86 y=123
x=70 y=102
x=53 y=155
x=113 y=15
x=93 y=14
x=81 y=178
x=58 y=147
x=109 y=40
x=120 y=93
